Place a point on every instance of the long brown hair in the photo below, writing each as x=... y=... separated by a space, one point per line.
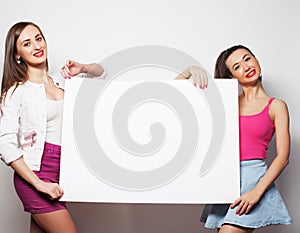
x=15 y=72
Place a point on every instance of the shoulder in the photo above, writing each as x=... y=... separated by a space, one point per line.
x=19 y=91
x=278 y=108
x=13 y=97
x=14 y=91
x=278 y=105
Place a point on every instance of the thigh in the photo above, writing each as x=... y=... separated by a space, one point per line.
x=227 y=228
x=56 y=222
x=35 y=228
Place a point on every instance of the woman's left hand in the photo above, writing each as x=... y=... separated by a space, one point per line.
x=246 y=202
x=71 y=68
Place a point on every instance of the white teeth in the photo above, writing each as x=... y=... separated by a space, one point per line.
x=250 y=74
x=38 y=54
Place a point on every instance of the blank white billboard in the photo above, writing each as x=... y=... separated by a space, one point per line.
x=149 y=142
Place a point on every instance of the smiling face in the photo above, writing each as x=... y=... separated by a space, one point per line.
x=32 y=47
x=243 y=66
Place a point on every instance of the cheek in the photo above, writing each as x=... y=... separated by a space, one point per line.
x=44 y=44
x=19 y=50
x=25 y=54
x=258 y=66
x=237 y=74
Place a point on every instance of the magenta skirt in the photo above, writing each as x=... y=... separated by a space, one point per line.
x=34 y=201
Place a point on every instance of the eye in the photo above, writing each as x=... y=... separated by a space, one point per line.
x=39 y=38
x=26 y=44
x=247 y=58
x=236 y=67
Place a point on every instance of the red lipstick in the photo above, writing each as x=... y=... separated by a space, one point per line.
x=39 y=54
x=251 y=74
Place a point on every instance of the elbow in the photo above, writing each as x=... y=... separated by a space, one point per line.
x=286 y=161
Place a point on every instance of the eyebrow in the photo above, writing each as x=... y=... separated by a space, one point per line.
x=247 y=54
x=37 y=35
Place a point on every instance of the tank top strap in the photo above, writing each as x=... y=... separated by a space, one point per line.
x=269 y=102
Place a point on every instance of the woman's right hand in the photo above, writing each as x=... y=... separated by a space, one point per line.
x=52 y=189
x=199 y=76
x=71 y=68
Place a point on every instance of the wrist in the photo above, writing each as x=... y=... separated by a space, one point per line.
x=259 y=190
x=185 y=74
x=84 y=68
x=37 y=183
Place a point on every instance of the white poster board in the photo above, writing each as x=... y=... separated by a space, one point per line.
x=149 y=142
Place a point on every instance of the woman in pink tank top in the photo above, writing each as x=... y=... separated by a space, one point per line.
x=260 y=203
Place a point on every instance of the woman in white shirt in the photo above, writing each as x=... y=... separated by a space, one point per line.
x=30 y=125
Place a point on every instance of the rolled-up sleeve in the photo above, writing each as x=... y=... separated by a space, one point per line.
x=9 y=127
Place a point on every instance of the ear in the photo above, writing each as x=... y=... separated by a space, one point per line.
x=18 y=57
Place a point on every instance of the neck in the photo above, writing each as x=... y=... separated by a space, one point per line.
x=253 y=92
x=37 y=74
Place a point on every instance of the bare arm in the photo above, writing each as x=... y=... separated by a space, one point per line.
x=73 y=68
x=52 y=189
x=279 y=113
x=281 y=121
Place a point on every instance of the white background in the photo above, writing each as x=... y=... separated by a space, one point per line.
x=91 y=30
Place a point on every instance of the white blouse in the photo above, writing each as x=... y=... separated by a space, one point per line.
x=54 y=109
x=24 y=122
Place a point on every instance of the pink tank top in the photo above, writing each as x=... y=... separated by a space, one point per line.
x=256 y=132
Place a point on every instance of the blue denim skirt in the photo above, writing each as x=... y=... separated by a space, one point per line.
x=268 y=211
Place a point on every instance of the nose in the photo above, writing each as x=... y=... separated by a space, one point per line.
x=36 y=45
x=246 y=66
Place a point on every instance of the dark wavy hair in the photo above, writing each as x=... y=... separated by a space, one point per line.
x=15 y=73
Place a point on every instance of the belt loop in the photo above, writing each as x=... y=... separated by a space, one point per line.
x=51 y=148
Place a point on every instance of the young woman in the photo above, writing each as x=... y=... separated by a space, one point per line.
x=31 y=122
x=260 y=116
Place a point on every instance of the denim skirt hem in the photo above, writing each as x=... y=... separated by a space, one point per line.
x=270 y=210
x=210 y=226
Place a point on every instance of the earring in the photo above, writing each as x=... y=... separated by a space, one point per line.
x=18 y=61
